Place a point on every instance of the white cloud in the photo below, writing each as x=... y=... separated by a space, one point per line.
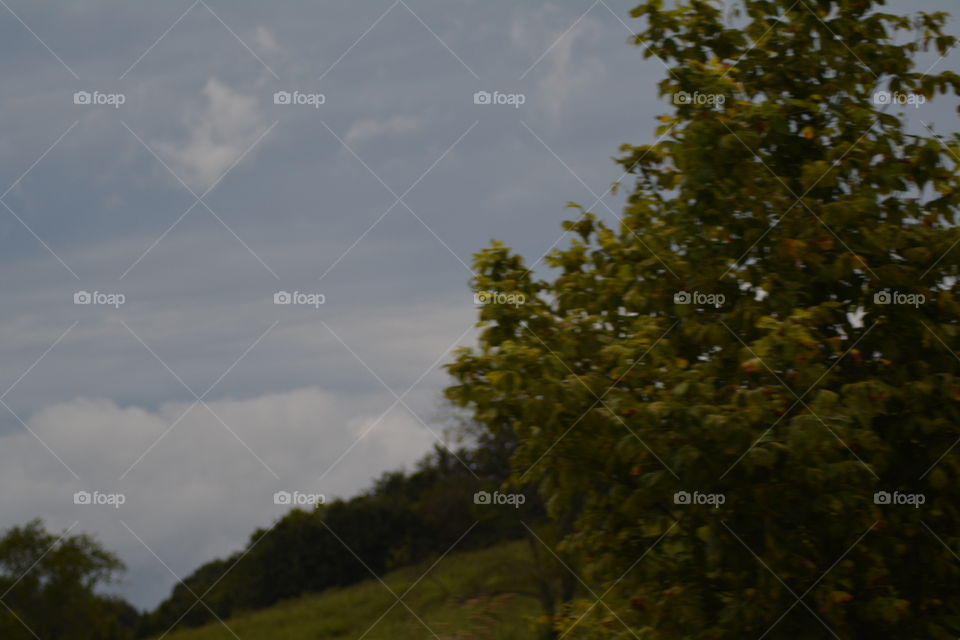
x=560 y=76
x=200 y=483
x=265 y=41
x=364 y=130
x=218 y=133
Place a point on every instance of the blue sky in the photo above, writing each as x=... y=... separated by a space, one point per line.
x=199 y=198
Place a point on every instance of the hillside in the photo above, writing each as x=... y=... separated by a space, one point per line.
x=478 y=595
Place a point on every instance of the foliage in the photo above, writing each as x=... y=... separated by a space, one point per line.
x=48 y=583
x=789 y=201
x=404 y=518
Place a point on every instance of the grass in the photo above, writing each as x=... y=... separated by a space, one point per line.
x=475 y=595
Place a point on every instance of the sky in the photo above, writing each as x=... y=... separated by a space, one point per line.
x=181 y=164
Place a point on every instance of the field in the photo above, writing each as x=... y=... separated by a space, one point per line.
x=476 y=595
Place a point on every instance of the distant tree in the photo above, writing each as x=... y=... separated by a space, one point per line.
x=404 y=518
x=771 y=321
x=49 y=587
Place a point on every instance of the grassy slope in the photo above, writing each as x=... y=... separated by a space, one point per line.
x=476 y=595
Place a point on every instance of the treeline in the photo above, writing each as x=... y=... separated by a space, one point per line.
x=50 y=583
x=404 y=518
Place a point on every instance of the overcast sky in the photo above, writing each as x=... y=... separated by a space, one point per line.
x=199 y=197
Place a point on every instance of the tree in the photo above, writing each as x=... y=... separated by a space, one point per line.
x=404 y=518
x=769 y=328
x=48 y=584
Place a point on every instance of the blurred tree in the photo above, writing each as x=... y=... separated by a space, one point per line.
x=770 y=325
x=404 y=518
x=48 y=585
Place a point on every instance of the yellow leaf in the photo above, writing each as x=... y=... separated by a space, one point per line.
x=793 y=246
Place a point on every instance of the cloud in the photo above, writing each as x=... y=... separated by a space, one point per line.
x=364 y=130
x=560 y=76
x=202 y=483
x=265 y=41
x=218 y=133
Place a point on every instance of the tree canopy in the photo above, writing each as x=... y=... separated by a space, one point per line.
x=747 y=385
x=48 y=586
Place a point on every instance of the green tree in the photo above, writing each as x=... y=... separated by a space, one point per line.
x=48 y=587
x=770 y=321
x=404 y=518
